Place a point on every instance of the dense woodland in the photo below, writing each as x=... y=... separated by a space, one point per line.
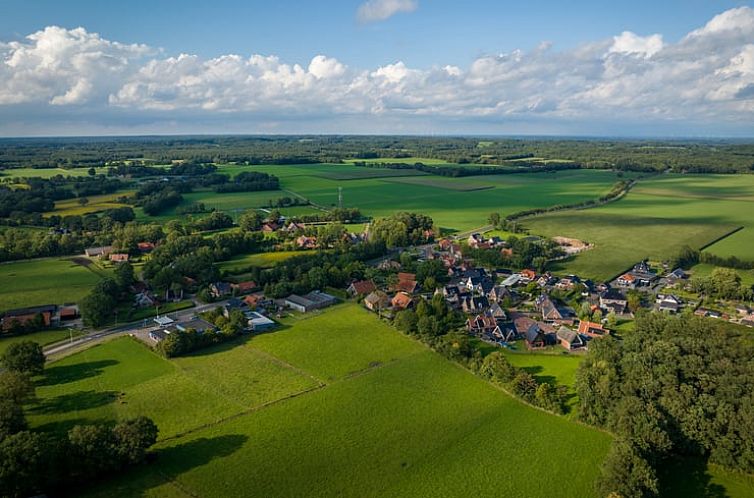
x=642 y=155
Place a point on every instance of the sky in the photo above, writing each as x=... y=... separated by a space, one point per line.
x=541 y=67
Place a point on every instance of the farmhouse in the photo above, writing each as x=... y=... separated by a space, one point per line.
x=474 y=304
x=119 y=257
x=311 y=301
x=145 y=247
x=361 y=288
x=613 y=300
x=592 y=329
x=402 y=301
x=305 y=242
x=220 y=289
x=626 y=280
x=550 y=312
x=570 y=339
x=668 y=303
x=377 y=301
x=98 y=252
x=498 y=293
x=406 y=283
x=528 y=275
x=535 y=337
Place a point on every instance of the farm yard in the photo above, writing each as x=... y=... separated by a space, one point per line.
x=275 y=406
x=44 y=281
x=656 y=219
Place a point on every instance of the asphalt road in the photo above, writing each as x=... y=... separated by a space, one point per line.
x=95 y=336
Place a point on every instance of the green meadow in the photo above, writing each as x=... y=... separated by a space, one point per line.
x=262 y=260
x=72 y=207
x=331 y=404
x=43 y=281
x=47 y=172
x=43 y=337
x=655 y=220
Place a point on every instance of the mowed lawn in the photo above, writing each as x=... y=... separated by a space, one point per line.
x=332 y=404
x=656 y=219
x=43 y=281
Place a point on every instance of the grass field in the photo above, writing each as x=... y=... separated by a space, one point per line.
x=449 y=206
x=43 y=281
x=47 y=172
x=71 y=207
x=263 y=260
x=655 y=220
x=704 y=270
x=43 y=337
x=379 y=415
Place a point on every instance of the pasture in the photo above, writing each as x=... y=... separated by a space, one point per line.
x=43 y=337
x=96 y=203
x=440 y=197
x=704 y=270
x=656 y=219
x=43 y=281
x=354 y=407
x=262 y=260
x=47 y=172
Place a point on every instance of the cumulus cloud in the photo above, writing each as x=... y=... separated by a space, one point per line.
x=379 y=10
x=631 y=43
x=707 y=77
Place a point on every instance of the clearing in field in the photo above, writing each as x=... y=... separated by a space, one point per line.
x=656 y=219
x=43 y=281
x=72 y=207
x=354 y=407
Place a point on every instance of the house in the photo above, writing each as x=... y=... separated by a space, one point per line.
x=377 y=301
x=570 y=339
x=24 y=316
x=445 y=244
x=252 y=300
x=402 y=301
x=535 y=337
x=293 y=227
x=481 y=324
x=513 y=280
x=592 y=329
x=305 y=242
x=498 y=293
x=144 y=300
x=550 y=312
x=361 y=288
x=474 y=304
x=269 y=227
x=258 y=322
x=388 y=264
x=406 y=283
x=528 y=275
x=626 y=280
x=474 y=240
x=480 y=285
x=497 y=312
x=145 y=247
x=568 y=283
x=244 y=287
x=643 y=274
x=233 y=304
x=119 y=257
x=522 y=325
x=220 y=289
x=98 y=252
x=668 y=303
x=311 y=301
x=613 y=300
x=677 y=274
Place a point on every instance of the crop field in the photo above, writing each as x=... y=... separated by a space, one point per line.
x=353 y=406
x=43 y=281
x=655 y=220
x=72 y=207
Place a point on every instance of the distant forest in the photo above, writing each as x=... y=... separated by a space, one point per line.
x=703 y=156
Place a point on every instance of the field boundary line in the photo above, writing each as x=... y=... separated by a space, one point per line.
x=284 y=363
x=314 y=204
x=243 y=413
x=176 y=483
x=722 y=237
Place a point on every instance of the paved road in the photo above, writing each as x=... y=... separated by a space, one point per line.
x=96 y=336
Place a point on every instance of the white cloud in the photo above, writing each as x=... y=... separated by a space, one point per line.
x=379 y=10
x=631 y=43
x=707 y=77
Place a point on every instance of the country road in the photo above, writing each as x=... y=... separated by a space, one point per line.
x=60 y=349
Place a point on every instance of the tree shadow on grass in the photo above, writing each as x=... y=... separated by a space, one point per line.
x=684 y=477
x=64 y=374
x=181 y=458
x=81 y=400
x=535 y=371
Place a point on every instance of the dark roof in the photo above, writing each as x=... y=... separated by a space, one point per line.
x=47 y=308
x=534 y=334
x=613 y=295
x=569 y=336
